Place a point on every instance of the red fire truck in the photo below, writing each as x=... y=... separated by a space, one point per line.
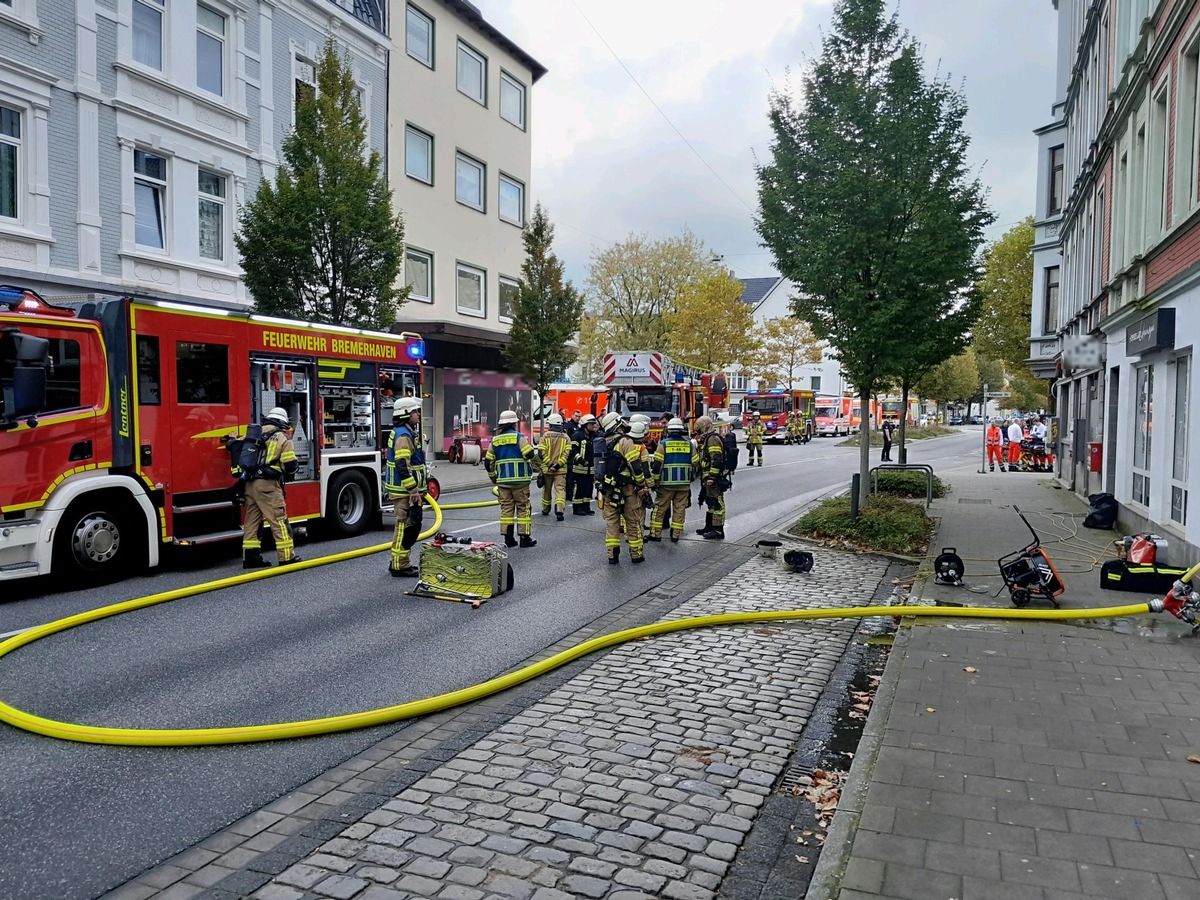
x=116 y=410
x=648 y=382
x=774 y=407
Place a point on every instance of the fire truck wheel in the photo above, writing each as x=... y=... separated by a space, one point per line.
x=350 y=503
x=97 y=537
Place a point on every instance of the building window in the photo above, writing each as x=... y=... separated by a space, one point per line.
x=472 y=291
x=512 y=201
x=737 y=384
x=10 y=151
x=1179 y=448
x=305 y=80
x=210 y=51
x=212 y=215
x=150 y=199
x=816 y=383
x=469 y=175
x=418 y=154
x=1056 y=181
x=418 y=275
x=1143 y=421
x=148 y=32
x=202 y=373
x=1050 y=309
x=418 y=36
x=1156 y=166
x=509 y=288
x=1186 y=132
x=472 y=74
x=512 y=100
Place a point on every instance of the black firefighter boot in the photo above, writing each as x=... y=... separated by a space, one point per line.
x=509 y=540
x=528 y=541
x=707 y=525
x=716 y=533
x=614 y=556
x=252 y=559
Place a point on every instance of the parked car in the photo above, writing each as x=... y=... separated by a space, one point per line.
x=954 y=420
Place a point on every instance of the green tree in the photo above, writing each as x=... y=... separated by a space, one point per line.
x=633 y=285
x=546 y=311
x=991 y=373
x=953 y=380
x=866 y=202
x=322 y=243
x=709 y=327
x=1007 y=289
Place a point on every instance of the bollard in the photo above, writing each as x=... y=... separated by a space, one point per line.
x=855 y=481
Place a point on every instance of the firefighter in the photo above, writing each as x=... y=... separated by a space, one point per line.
x=510 y=462
x=714 y=479
x=638 y=430
x=674 y=462
x=994 y=439
x=622 y=492
x=755 y=430
x=406 y=479
x=582 y=465
x=554 y=448
x=265 y=499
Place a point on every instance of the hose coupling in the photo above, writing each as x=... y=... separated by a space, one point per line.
x=1156 y=605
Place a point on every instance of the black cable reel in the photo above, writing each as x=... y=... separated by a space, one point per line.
x=949 y=568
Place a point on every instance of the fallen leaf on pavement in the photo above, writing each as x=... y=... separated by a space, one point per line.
x=971 y=669
x=1195 y=759
x=802 y=859
x=930 y=709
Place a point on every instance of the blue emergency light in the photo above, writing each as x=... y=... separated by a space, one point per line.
x=775 y=391
x=415 y=349
x=679 y=378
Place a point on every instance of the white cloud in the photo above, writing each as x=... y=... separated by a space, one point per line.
x=605 y=163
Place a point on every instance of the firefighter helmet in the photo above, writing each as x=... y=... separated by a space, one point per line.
x=508 y=417
x=279 y=417
x=611 y=422
x=675 y=426
x=703 y=425
x=638 y=430
x=554 y=419
x=406 y=406
x=587 y=419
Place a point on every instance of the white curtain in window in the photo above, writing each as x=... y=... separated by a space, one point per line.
x=147 y=33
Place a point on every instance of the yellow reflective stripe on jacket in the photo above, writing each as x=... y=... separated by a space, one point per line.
x=555 y=447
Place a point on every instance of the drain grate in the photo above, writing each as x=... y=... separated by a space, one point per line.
x=789 y=782
x=975 y=500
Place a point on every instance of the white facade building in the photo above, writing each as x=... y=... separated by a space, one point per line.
x=459 y=123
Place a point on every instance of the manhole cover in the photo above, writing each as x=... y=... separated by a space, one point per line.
x=789 y=781
x=974 y=500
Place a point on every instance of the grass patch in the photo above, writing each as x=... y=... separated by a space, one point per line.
x=908 y=484
x=914 y=434
x=889 y=524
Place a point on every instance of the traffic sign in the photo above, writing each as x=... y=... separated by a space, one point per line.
x=1000 y=394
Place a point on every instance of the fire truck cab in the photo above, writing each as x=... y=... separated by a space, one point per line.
x=775 y=406
x=647 y=382
x=116 y=412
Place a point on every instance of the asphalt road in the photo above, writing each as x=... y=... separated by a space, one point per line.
x=78 y=819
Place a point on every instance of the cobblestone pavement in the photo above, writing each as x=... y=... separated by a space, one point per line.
x=639 y=776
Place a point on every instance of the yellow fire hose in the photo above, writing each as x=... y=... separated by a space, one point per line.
x=185 y=737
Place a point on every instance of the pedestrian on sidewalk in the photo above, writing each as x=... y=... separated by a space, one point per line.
x=889 y=428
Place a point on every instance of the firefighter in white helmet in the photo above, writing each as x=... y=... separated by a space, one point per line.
x=554 y=448
x=621 y=492
x=264 y=464
x=510 y=462
x=582 y=462
x=406 y=480
x=673 y=466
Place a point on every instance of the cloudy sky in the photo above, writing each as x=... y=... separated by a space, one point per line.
x=606 y=163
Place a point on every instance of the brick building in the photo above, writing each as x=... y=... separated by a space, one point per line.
x=1117 y=259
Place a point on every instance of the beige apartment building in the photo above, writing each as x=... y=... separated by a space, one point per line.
x=459 y=158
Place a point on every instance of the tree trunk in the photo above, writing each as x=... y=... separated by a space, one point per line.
x=905 y=387
x=864 y=451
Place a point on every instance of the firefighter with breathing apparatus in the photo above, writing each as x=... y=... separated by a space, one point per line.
x=510 y=462
x=673 y=466
x=582 y=463
x=714 y=478
x=406 y=480
x=266 y=457
x=622 y=491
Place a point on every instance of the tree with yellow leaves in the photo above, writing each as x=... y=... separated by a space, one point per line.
x=710 y=327
x=785 y=345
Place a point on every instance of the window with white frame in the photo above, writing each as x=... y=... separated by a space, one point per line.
x=472 y=74
x=148 y=32
x=418 y=36
x=509 y=288
x=150 y=199
x=210 y=51
x=1187 y=151
x=512 y=100
x=737 y=384
x=1056 y=180
x=305 y=78
x=1050 y=307
x=418 y=274
x=1143 y=421
x=212 y=215
x=512 y=201
x=816 y=383
x=1179 y=440
x=472 y=290
x=418 y=154
x=10 y=157
x=1156 y=165
x=469 y=178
